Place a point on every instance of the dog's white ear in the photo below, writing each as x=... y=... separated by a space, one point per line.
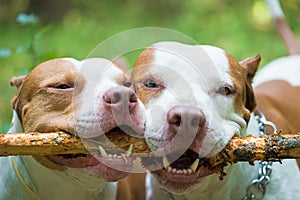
x=17 y=81
x=250 y=66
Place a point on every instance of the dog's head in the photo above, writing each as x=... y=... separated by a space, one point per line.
x=88 y=99
x=197 y=98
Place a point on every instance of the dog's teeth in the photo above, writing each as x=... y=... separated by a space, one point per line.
x=195 y=165
x=110 y=156
x=174 y=170
x=129 y=150
x=179 y=171
x=166 y=163
x=169 y=169
x=184 y=171
x=102 y=151
x=125 y=158
x=189 y=171
x=115 y=156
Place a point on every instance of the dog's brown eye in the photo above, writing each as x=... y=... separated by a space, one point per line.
x=150 y=84
x=226 y=90
x=63 y=87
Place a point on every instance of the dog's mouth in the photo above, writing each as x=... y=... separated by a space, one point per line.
x=108 y=157
x=179 y=174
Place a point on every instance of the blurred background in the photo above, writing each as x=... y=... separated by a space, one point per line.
x=32 y=31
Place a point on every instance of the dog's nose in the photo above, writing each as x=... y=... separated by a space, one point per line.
x=186 y=116
x=120 y=97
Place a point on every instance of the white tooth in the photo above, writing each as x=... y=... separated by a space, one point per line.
x=119 y=156
x=129 y=150
x=169 y=169
x=102 y=151
x=195 y=165
x=115 y=156
x=125 y=158
x=110 y=156
x=179 y=171
x=189 y=171
x=165 y=162
x=184 y=171
x=174 y=170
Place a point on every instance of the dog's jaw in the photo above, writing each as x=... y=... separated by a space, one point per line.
x=207 y=78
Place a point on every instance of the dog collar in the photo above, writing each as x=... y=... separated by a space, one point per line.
x=21 y=180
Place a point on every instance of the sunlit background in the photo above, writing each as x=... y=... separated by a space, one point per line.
x=32 y=31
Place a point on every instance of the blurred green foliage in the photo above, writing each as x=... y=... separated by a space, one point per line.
x=72 y=28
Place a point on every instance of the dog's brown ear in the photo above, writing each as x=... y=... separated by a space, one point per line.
x=16 y=82
x=250 y=66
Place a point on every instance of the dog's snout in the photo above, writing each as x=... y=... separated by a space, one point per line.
x=119 y=97
x=186 y=116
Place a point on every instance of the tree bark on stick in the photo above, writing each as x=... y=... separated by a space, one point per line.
x=249 y=148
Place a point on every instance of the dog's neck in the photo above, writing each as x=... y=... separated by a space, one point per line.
x=212 y=187
x=68 y=184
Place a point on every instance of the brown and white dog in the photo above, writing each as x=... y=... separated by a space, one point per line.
x=87 y=99
x=197 y=98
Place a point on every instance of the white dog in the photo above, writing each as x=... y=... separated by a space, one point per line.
x=197 y=98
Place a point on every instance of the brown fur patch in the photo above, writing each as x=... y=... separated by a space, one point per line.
x=244 y=102
x=140 y=74
x=278 y=100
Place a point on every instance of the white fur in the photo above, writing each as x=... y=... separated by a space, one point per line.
x=285 y=68
x=99 y=80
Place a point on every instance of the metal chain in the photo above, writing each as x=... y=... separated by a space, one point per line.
x=257 y=188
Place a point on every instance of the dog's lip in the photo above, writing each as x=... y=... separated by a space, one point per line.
x=187 y=168
x=89 y=160
x=115 y=158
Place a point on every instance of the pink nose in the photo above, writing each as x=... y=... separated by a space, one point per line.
x=186 y=117
x=120 y=98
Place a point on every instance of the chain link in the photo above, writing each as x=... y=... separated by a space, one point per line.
x=257 y=188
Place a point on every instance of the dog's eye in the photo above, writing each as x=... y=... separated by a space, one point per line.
x=226 y=90
x=150 y=83
x=63 y=86
x=127 y=84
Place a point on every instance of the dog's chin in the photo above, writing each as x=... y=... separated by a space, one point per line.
x=182 y=175
x=177 y=187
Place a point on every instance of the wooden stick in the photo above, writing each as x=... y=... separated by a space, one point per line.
x=61 y=143
x=249 y=148
x=264 y=148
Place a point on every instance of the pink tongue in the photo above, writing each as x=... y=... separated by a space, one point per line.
x=182 y=163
